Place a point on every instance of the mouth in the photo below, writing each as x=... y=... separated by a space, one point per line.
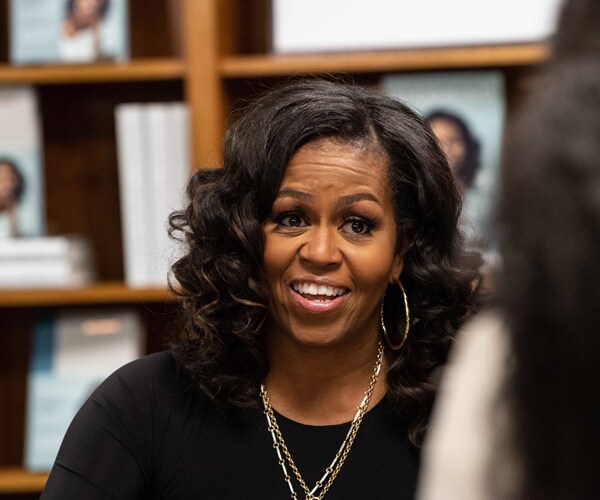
x=318 y=297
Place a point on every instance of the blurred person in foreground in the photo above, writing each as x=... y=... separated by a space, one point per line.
x=323 y=281
x=518 y=416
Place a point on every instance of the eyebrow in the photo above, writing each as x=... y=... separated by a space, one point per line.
x=349 y=199
x=343 y=201
x=297 y=195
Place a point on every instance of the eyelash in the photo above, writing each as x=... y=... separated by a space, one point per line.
x=369 y=223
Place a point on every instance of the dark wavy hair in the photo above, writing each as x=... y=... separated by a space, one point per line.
x=467 y=170
x=220 y=279
x=102 y=9
x=551 y=281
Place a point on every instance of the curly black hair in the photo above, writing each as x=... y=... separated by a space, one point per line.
x=220 y=278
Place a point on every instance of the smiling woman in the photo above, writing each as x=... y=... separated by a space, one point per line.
x=322 y=283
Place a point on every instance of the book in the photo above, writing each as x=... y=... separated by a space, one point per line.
x=71 y=354
x=54 y=273
x=21 y=168
x=47 y=247
x=68 y=31
x=168 y=144
x=350 y=25
x=34 y=263
x=134 y=185
x=45 y=262
x=466 y=110
x=153 y=147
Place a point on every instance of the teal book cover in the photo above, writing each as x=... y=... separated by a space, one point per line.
x=22 y=211
x=72 y=353
x=466 y=111
x=68 y=31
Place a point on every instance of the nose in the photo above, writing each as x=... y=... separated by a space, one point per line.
x=321 y=247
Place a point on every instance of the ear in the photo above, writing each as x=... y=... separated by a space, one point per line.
x=397 y=267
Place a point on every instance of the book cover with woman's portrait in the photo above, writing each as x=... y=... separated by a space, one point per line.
x=68 y=31
x=21 y=179
x=465 y=110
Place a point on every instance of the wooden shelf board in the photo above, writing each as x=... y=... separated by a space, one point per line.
x=383 y=61
x=101 y=293
x=145 y=69
x=15 y=481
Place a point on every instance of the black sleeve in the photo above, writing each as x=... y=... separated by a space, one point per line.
x=107 y=451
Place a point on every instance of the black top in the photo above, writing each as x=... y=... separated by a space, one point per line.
x=145 y=433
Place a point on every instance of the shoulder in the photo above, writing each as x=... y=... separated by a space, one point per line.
x=161 y=365
x=476 y=371
x=483 y=345
x=467 y=413
x=145 y=386
x=158 y=368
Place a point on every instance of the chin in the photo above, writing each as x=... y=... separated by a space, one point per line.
x=318 y=337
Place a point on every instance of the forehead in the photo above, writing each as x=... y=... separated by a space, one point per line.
x=339 y=162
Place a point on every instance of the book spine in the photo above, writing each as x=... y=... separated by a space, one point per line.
x=19 y=249
x=45 y=273
x=133 y=191
x=160 y=171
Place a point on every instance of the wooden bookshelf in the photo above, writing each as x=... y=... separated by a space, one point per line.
x=141 y=70
x=254 y=66
x=101 y=293
x=18 y=481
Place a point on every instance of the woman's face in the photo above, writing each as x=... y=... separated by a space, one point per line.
x=8 y=183
x=330 y=247
x=86 y=11
x=451 y=140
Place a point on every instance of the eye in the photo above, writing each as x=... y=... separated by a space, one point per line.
x=357 y=226
x=290 y=219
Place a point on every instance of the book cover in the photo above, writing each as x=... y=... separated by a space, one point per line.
x=350 y=25
x=68 y=31
x=466 y=111
x=21 y=169
x=71 y=354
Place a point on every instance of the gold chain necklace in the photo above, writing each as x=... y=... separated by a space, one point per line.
x=331 y=472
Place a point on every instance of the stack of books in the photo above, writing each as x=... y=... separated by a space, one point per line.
x=45 y=262
x=153 y=148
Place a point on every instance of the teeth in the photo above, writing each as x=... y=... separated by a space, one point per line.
x=314 y=289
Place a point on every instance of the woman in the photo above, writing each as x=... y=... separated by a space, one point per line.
x=81 y=38
x=323 y=273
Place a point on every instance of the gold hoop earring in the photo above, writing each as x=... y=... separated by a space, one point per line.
x=406 y=326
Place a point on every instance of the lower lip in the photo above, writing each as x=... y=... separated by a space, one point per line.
x=315 y=306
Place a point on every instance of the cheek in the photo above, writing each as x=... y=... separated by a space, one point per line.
x=374 y=268
x=276 y=258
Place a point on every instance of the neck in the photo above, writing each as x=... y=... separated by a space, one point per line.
x=321 y=385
